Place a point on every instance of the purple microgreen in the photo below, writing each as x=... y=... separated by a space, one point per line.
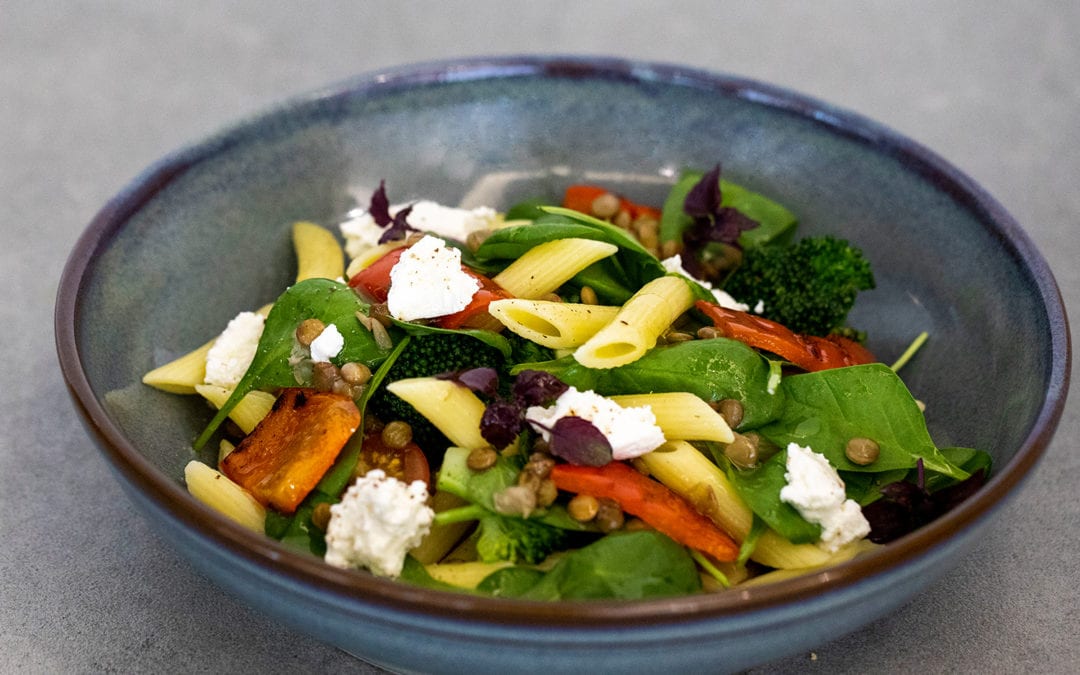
x=537 y=387
x=905 y=506
x=501 y=423
x=479 y=380
x=712 y=222
x=578 y=441
x=397 y=227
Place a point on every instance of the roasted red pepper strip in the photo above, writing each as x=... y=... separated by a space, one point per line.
x=374 y=280
x=639 y=495
x=581 y=197
x=808 y=352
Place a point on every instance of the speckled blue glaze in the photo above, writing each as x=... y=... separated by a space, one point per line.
x=204 y=234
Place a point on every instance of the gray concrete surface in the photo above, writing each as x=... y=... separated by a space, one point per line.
x=93 y=92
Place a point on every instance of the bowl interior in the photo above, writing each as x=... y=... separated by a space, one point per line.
x=205 y=234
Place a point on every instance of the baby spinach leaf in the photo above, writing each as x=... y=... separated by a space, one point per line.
x=323 y=299
x=760 y=489
x=712 y=369
x=510 y=582
x=623 y=566
x=488 y=337
x=825 y=409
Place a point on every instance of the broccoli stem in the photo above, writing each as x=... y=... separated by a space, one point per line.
x=460 y=514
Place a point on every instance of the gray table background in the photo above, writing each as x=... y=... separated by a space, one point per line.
x=93 y=92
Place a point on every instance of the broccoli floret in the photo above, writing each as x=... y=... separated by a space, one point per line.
x=517 y=540
x=427 y=355
x=809 y=286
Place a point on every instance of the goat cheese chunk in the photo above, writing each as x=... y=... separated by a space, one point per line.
x=632 y=432
x=234 y=350
x=428 y=282
x=327 y=344
x=816 y=491
x=674 y=266
x=361 y=232
x=378 y=520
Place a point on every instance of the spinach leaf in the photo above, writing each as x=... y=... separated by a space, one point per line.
x=760 y=489
x=323 y=299
x=712 y=369
x=823 y=410
x=414 y=572
x=774 y=221
x=623 y=566
x=488 y=337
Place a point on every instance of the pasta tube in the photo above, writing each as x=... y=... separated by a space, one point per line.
x=681 y=467
x=558 y=325
x=248 y=412
x=318 y=254
x=214 y=489
x=635 y=329
x=681 y=416
x=452 y=408
x=181 y=375
x=545 y=267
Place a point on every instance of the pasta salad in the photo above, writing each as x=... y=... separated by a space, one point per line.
x=573 y=399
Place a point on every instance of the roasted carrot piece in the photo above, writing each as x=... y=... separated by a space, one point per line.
x=286 y=455
x=649 y=500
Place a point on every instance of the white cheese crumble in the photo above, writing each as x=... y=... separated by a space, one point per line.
x=233 y=351
x=632 y=432
x=674 y=266
x=378 y=520
x=428 y=282
x=327 y=344
x=816 y=491
x=361 y=232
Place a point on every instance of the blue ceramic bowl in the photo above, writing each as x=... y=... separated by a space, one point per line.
x=204 y=234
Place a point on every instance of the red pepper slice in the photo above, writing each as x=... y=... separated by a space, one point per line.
x=808 y=352
x=581 y=196
x=374 y=280
x=651 y=501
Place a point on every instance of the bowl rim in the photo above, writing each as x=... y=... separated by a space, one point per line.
x=355 y=590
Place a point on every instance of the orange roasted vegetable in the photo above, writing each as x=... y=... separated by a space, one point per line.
x=286 y=455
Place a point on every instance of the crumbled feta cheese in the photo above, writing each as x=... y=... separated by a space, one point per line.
x=632 y=432
x=378 y=520
x=361 y=232
x=674 y=266
x=428 y=282
x=234 y=349
x=327 y=344
x=759 y=308
x=816 y=491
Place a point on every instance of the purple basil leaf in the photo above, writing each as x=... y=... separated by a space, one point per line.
x=400 y=227
x=537 y=387
x=380 y=206
x=501 y=423
x=480 y=380
x=578 y=441
x=703 y=200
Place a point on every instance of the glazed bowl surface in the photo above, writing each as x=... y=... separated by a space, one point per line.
x=204 y=233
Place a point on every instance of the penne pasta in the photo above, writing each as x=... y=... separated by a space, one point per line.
x=318 y=254
x=683 y=468
x=248 y=412
x=545 y=267
x=681 y=416
x=181 y=375
x=214 y=489
x=452 y=408
x=558 y=325
x=464 y=574
x=639 y=323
